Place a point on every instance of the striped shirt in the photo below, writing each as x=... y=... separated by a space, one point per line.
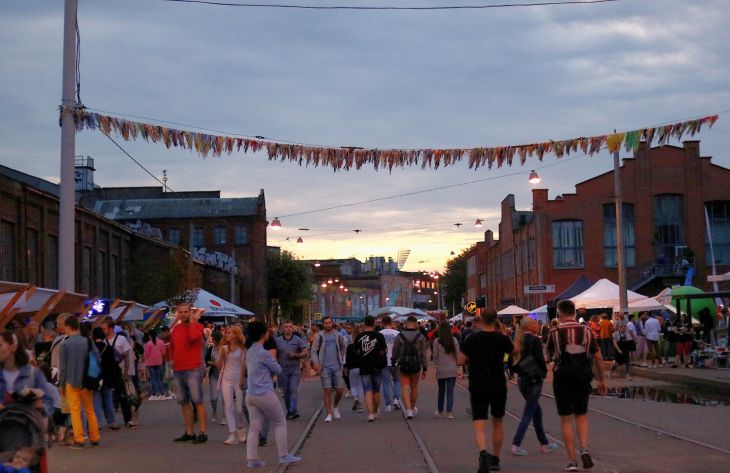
x=571 y=337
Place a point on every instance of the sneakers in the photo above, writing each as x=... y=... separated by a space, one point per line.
x=223 y=421
x=185 y=438
x=355 y=405
x=396 y=404
x=414 y=410
x=263 y=442
x=77 y=446
x=255 y=463
x=494 y=463
x=289 y=459
x=519 y=451
x=450 y=415
x=132 y=425
x=437 y=414
x=114 y=427
x=377 y=414
x=336 y=413
x=388 y=408
x=153 y=398
x=295 y=415
x=572 y=466
x=200 y=438
x=409 y=414
x=95 y=444
x=231 y=440
x=371 y=417
x=585 y=457
x=548 y=448
x=484 y=462
x=328 y=418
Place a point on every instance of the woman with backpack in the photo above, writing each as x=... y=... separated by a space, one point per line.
x=529 y=363
x=445 y=351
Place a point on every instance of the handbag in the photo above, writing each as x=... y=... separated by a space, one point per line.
x=129 y=391
x=529 y=368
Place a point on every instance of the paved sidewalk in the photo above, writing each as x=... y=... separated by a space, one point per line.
x=716 y=380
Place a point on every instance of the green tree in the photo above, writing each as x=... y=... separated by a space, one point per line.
x=289 y=280
x=454 y=282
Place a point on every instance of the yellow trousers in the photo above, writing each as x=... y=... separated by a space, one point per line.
x=78 y=398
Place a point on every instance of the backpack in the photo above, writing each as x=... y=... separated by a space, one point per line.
x=409 y=361
x=92 y=374
x=118 y=357
x=574 y=368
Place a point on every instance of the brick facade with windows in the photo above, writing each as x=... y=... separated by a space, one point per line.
x=665 y=192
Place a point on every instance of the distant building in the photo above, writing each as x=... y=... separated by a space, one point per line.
x=665 y=193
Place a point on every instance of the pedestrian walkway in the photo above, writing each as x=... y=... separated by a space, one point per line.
x=712 y=379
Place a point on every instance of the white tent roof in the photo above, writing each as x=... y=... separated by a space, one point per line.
x=513 y=310
x=136 y=312
x=460 y=317
x=213 y=305
x=26 y=303
x=719 y=277
x=398 y=311
x=650 y=303
x=540 y=310
x=603 y=293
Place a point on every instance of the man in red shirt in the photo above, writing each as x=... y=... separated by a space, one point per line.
x=186 y=351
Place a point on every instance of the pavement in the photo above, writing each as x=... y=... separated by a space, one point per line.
x=717 y=380
x=627 y=435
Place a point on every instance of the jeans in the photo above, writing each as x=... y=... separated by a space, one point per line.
x=104 y=404
x=532 y=413
x=214 y=392
x=156 y=373
x=356 y=385
x=446 y=388
x=189 y=386
x=78 y=399
x=388 y=376
x=289 y=383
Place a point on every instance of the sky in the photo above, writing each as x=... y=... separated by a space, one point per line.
x=405 y=79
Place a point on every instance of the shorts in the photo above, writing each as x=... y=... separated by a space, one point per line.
x=371 y=381
x=331 y=378
x=641 y=345
x=486 y=399
x=683 y=348
x=409 y=379
x=189 y=386
x=653 y=348
x=571 y=398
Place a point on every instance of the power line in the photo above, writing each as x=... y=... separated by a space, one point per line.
x=139 y=164
x=364 y=7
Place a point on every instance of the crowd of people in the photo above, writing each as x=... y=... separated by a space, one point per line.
x=83 y=375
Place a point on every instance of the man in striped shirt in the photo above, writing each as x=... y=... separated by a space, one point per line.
x=574 y=350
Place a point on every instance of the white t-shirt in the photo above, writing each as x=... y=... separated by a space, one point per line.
x=390 y=335
x=652 y=329
x=630 y=331
x=10 y=378
x=232 y=368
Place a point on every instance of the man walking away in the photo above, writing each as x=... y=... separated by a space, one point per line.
x=73 y=365
x=328 y=354
x=290 y=349
x=370 y=352
x=409 y=354
x=186 y=349
x=484 y=352
x=571 y=346
x=120 y=348
x=389 y=375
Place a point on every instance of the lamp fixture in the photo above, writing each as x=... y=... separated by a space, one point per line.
x=329 y=281
x=276 y=224
x=300 y=240
x=534 y=177
x=452 y=253
x=317 y=264
x=324 y=284
x=478 y=223
x=458 y=225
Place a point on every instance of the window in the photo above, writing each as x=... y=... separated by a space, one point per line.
x=240 y=235
x=102 y=271
x=7 y=251
x=173 y=236
x=507 y=265
x=113 y=276
x=31 y=240
x=531 y=253
x=610 y=247
x=198 y=236
x=86 y=270
x=668 y=224
x=718 y=213
x=471 y=266
x=52 y=262
x=568 y=244
x=219 y=235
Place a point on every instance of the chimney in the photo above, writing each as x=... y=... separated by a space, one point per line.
x=84 y=173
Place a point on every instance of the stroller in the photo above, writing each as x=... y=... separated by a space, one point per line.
x=24 y=425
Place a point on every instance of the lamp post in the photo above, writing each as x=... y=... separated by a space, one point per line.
x=623 y=296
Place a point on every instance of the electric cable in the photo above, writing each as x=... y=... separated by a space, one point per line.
x=138 y=163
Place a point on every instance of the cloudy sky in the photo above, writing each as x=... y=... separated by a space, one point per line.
x=410 y=79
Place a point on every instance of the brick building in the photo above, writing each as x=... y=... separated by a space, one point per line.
x=665 y=193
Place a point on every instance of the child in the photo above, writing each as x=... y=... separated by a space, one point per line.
x=22 y=460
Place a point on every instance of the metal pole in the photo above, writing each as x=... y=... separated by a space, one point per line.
x=538 y=251
x=712 y=251
x=233 y=277
x=623 y=298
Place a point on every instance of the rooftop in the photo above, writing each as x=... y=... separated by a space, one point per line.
x=132 y=209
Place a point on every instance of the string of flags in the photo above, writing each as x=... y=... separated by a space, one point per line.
x=346 y=158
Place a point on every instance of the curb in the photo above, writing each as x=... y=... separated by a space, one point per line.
x=713 y=385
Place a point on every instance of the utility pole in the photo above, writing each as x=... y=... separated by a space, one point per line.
x=67 y=225
x=623 y=299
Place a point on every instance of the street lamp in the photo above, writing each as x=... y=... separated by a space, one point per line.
x=276 y=224
x=478 y=223
x=534 y=177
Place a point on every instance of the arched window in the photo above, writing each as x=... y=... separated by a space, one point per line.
x=718 y=212
x=568 y=244
x=610 y=246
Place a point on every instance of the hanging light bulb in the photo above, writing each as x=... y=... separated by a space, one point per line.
x=452 y=253
x=324 y=284
x=276 y=224
x=329 y=281
x=534 y=177
x=300 y=240
x=317 y=264
x=478 y=223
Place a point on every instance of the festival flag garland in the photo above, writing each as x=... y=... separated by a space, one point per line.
x=348 y=158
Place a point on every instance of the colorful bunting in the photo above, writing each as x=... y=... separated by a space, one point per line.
x=346 y=158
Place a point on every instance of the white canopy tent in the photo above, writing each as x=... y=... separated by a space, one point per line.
x=213 y=305
x=541 y=313
x=134 y=313
x=396 y=311
x=513 y=310
x=603 y=293
x=460 y=318
x=650 y=303
x=719 y=277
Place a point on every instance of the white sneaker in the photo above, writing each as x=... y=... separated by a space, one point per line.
x=396 y=403
x=153 y=398
x=409 y=414
x=371 y=417
x=336 y=413
x=415 y=411
x=377 y=414
x=231 y=440
x=450 y=415
x=328 y=418
x=388 y=408
x=437 y=414
x=223 y=421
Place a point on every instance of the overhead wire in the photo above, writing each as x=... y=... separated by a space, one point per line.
x=139 y=164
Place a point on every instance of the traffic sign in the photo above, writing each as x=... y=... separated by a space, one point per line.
x=540 y=289
x=471 y=307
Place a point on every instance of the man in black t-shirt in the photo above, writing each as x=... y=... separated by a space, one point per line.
x=371 y=352
x=484 y=352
